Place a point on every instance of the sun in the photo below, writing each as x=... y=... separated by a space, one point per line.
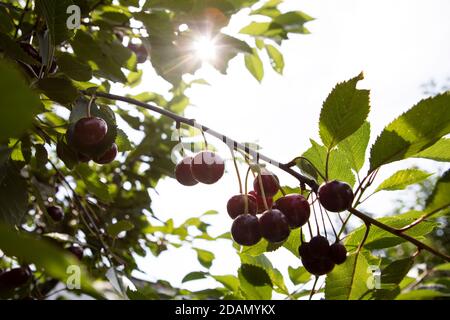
x=205 y=48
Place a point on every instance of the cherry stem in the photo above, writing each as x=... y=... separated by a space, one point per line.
x=261 y=187
x=313 y=288
x=246 y=180
x=331 y=223
x=88 y=110
x=326 y=164
x=315 y=218
x=237 y=173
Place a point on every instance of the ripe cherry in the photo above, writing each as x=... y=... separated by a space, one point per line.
x=318 y=266
x=319 y=246
x=140 y=51
x=207 y=167
x=246 y=230
x=274 y=226
x=304 y=250
x=77 y=251
x=14 y=278
x=270 y=183
x=83 y=158
x=56 y=213
x=88 y=132
x=236 y=205
x=260 y=202
x=183 y=172
x=338 y=253
x=336 y=196
x=296 y=209
x=108 y=156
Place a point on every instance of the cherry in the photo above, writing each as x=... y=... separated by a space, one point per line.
x=207 y=167
x=246 y=230
x=183 y=172
x=296 y=209
x=77 y=251
x=304 y=250
x=14 y=278
x=236 y=205
x=319 y=246
x=88 y=132
x=270 y=183
x=318 y=266
x=338 y=253
x=108 y=156
x=140 y=51
x=56 y=213
x=274 y=226
x=83 y=158
x=336 y=196
x=260 y=202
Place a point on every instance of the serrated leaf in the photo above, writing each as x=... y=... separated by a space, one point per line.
x=205 y=257
x=122 y=141
x=58 y=89
x=261 y=247
x=412 y=132
x=354 y=147
x=344 y=111
x=403 y=178
x=254 y=282
x=118 y=227
x=440 y=198
x=293 y=242
x=17 y=101
x=380 y=239
x=348 y=281
x=229 y=281
x=254 y=65
x=440 y=151
x=276 y=58
x=195 y=275
x=298 y=275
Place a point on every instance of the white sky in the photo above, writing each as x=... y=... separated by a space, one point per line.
x=398 y=44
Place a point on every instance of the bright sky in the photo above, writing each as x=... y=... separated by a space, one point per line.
x=398 y=44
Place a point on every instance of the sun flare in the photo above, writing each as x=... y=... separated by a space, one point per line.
x=205 y=48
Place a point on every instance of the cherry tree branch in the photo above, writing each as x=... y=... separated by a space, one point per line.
x=259 y=156
x=230 y=142
x=399 y=233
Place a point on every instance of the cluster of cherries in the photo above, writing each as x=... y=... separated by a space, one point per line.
x=86 y=135
x=277 y=219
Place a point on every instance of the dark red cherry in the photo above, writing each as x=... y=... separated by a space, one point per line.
x=296 y=209
x=77 y=251
x=319 y=246
x=260 y=202
x=304 y=250
x=318 y=266
x=183 y=172
x=88 y=132
x=83 y=158
x=270 y=183
x=56 y=213
x=338 y=253
x=336 y=196
x=236 y=205
x=140 y=51
x=14 y=278
x=207 y=167
x=108 y=156
x=274 y=226
x=245 y=230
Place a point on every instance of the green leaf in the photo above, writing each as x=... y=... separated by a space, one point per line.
x=349 y=280
x=403 y=178
x=354 y=147
x=229 y=281
x=440 y=151
x=58 y=89
x=421 y=295
x=293 y=21
x=254 y=65
x=205 y=257
x=254 y=282
x=55 y=15
x=442 y=267
x=412 y=132
x=261 y=247
x=439 y=198
x=269 y=30
x=344 y=111
x=276 y=58
x=122 y=141
x=14 y=51
x=17 y=101
x=338 y=167
x=74 y=68
x=118 y=227
x=44 y=255
x=298 y=275
x=195 y=275
x=293 y=242
x=92 y=183
x=380 y=239
x=13 y=195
